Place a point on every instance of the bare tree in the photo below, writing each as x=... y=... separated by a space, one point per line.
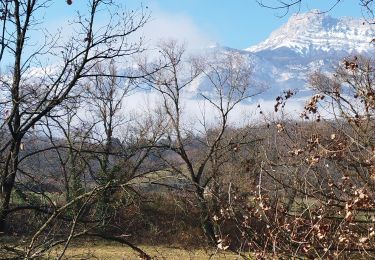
x=366 y=5
x=30 y=96
x=229 y=81
x=315 y=190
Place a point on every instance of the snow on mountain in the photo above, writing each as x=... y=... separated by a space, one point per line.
x=308 y=42
x=314 y=31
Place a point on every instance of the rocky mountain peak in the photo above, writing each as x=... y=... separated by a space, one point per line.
x=316 y=31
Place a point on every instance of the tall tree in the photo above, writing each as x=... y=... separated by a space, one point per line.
x=32 y=89
x=228 y=77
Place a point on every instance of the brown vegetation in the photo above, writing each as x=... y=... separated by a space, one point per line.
x=74 y=167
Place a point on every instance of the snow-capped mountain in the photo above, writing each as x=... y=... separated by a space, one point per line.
x=308 y=42
x=313 y=32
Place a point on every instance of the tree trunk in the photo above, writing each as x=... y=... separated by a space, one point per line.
x=7 y=184
x=207 y=224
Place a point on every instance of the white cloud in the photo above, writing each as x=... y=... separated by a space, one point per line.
x=165 y=26
x=197 y=110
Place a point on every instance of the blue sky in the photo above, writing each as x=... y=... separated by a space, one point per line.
x=240 y=23
x=233 y=23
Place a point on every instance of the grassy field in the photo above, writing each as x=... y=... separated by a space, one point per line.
x=115 y=251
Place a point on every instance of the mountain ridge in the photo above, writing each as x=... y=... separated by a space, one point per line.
x=307 y=43
x=314 y=30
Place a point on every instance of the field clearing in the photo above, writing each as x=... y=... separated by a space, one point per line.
x=113 y=251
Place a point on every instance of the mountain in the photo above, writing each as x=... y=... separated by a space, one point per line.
x=308 y=42
x=317 y=33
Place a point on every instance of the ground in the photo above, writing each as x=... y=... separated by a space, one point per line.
x=115 y=251
x=111 y=251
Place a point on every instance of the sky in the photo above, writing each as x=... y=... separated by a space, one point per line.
x=232 y=23
x=199 y=23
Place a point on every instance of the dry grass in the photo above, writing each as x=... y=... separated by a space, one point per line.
x=111 y=251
